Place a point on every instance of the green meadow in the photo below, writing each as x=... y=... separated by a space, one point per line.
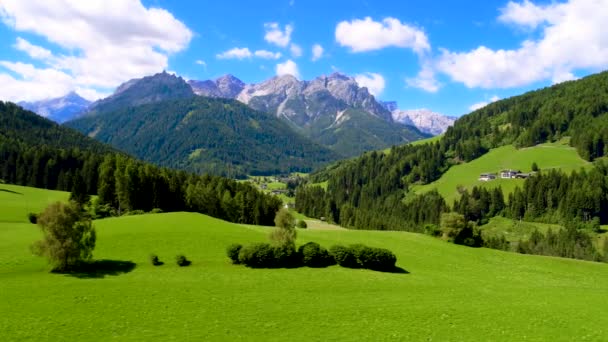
x=450 y=293
x=17 y=201
x=547 y=156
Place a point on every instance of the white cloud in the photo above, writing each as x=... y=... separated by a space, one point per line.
x=571 y=37
x=366 y=35
x=289 y=67
x=235 y=53
x=243 y=53
x=201 y=62
x=482 y=104
x=102 y=44
x=372 y=81
x=34 y=51
x=425 y=79
x=275 y=35
x=296 y=50
x=265 y=54
x=317 y=52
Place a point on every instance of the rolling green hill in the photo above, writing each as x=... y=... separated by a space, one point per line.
x=547 y=156
x=205 y=135
x=450 y=293
x=18 y=201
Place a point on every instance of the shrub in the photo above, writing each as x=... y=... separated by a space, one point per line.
x=233 y=252
x=344 y=256
x=286 y=256
x=156 y=211
x=377 y=259
x=313 y=255
x=134 y=212
x=361 y=256
x=301 y=224
x=182 y=261
x=155 y=260
x=32 y=217
x=257 y=255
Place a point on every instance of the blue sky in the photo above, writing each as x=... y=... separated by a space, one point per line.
x=449 y=57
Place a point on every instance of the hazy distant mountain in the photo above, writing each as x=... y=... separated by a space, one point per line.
x=59 y=109
x=332 y=110
x=425 y=120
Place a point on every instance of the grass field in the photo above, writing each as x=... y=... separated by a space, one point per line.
x=547 y=156
x=451 y=292
x=17 y=201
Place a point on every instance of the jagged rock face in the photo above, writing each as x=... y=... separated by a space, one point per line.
x=59 y=109
x=226 y=86
x=425 y=120
x=303 y=102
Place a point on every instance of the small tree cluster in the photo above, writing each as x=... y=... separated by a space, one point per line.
x=155 y=260
x=265 y=255
x=456 y=229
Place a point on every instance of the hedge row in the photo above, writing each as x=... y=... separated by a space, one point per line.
x=311 y=254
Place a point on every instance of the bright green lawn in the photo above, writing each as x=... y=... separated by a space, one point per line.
x=453 y=293
x=514 y=230
x=17 y=201
x=547 y=156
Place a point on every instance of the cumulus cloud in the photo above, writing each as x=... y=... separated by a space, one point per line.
x=425 y=79
x=372 y=81
x=235 y=53
x=34 y=51
x=571 y=37
x=317 y=52
x=296 y=50
x=243 y=53
x=105 y=44
x=362 y=35
x=267 y=54
x=289 y=67
x=482 y=104
x=201 y=62
x=275 y=35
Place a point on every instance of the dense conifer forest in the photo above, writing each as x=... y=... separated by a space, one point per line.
x=37 y=152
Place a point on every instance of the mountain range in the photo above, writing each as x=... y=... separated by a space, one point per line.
x=206 y=125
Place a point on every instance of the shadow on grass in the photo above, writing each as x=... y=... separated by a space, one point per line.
x=11 y=191
x=397 y=270
x=102 y=268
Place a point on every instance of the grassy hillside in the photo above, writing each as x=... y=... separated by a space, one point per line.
x=18 y=201
x=547 y=156
x=451 y=292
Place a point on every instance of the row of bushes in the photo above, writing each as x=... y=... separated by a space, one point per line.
x=311 y=254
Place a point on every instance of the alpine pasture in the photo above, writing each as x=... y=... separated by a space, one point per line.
x=446 y=292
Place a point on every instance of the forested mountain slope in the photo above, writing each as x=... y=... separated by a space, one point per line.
x=20 y=126
x=37 y=152
x=206 y=135
x=369 y=190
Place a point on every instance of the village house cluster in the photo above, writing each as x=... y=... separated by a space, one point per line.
x=505 y=174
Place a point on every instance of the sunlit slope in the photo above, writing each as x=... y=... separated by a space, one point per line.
x=547 y=156
x=451 y=293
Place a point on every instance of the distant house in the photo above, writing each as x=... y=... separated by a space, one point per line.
x=289 y=206
x=278 y=192
x=509 y=173
x=486 y=177
x=263 y=186
x=524 y=175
